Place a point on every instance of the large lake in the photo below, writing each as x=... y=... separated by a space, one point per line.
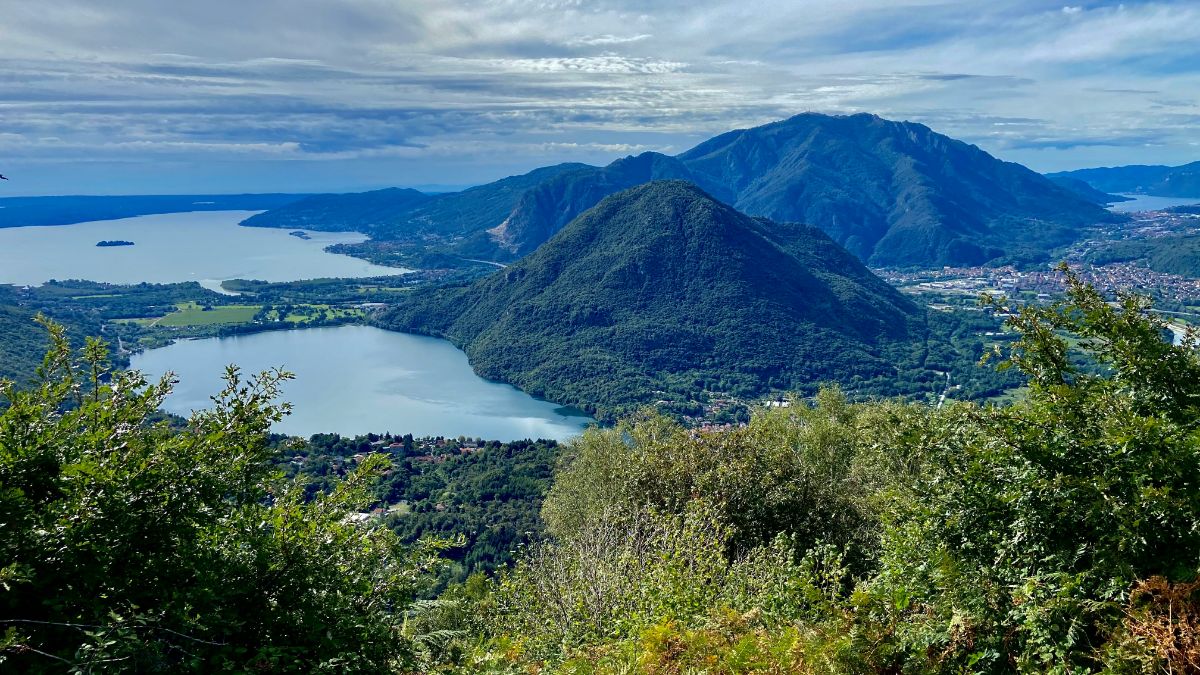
x=1151 y=203
x=357 y=379
x=207 y=247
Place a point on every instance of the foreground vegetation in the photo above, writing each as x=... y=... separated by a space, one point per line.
x=1055 y=534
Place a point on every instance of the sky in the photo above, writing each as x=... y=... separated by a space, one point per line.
x=220 y=96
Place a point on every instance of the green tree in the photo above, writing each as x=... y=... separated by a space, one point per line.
x=129 y=545
x=1034 y=521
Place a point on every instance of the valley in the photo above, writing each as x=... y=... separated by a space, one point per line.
x=553 y=337
x=470 y=354
x=648 y=335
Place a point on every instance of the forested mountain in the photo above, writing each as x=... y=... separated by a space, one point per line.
x=661 y=287
x=1162 y=181
x=894 y=193
x=355 y=212
x=399 y=213
x=546 y=208
x=1086 y=191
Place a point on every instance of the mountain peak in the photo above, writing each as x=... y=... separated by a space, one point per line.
x=664 y=278
x=894 y=193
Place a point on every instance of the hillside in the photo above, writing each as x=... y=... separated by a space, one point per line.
x=660 y=291
x=1171 y=254
x=1161 y=181
x=1086 y=191
x=399 y=213
x=356 y=212
x=546 y=208
x=893 y=193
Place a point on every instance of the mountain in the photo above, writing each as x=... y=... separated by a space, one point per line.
x=1086 y=191
x=662 y=290
x=893 y=193
x=1161 y=181
x=400 y=213
x=356 y=212
x=546 y=208
x=66 y=210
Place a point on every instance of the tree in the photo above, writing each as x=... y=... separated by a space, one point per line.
x=129 y=545
x=1032 y=523
x=1056 y=534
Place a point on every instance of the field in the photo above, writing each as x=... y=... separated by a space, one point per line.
x=191 y=314
x=300 y=314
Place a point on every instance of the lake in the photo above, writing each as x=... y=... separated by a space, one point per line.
x=206 y=247
x=359 y=379
x=1151 y=203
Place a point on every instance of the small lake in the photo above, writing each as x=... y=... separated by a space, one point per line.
x=359 y=379
x=207 y=247
x=1151 y=203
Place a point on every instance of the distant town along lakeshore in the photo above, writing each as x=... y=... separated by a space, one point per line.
x=114 y=242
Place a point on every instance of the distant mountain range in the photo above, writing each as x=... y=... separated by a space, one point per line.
x=1086 y=191
x=1160 y=181
x=893 y=193
x=661 y=291
x=25 y=211
x=396 y=213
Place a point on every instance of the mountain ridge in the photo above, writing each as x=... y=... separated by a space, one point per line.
x=660 y=287
x=894 y=193
x=1148 y=179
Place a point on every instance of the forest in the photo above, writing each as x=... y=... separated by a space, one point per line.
x=1056 y=533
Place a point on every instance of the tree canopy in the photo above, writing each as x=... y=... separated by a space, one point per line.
x=134 y=546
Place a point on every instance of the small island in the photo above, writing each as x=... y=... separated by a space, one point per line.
x=114 y=242
x=301 y=234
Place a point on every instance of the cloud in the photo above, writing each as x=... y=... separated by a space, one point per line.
x=395 y=91
x=605 y=40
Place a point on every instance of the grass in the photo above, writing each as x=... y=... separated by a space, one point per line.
x=307 y=313
x=193 y=314
x=190 y=314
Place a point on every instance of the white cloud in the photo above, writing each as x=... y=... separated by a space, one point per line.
x=605 y=40
x=528 y=82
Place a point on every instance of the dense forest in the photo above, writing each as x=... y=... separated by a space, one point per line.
x=484 y=496
x=662 y=294
x=1053 y=534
